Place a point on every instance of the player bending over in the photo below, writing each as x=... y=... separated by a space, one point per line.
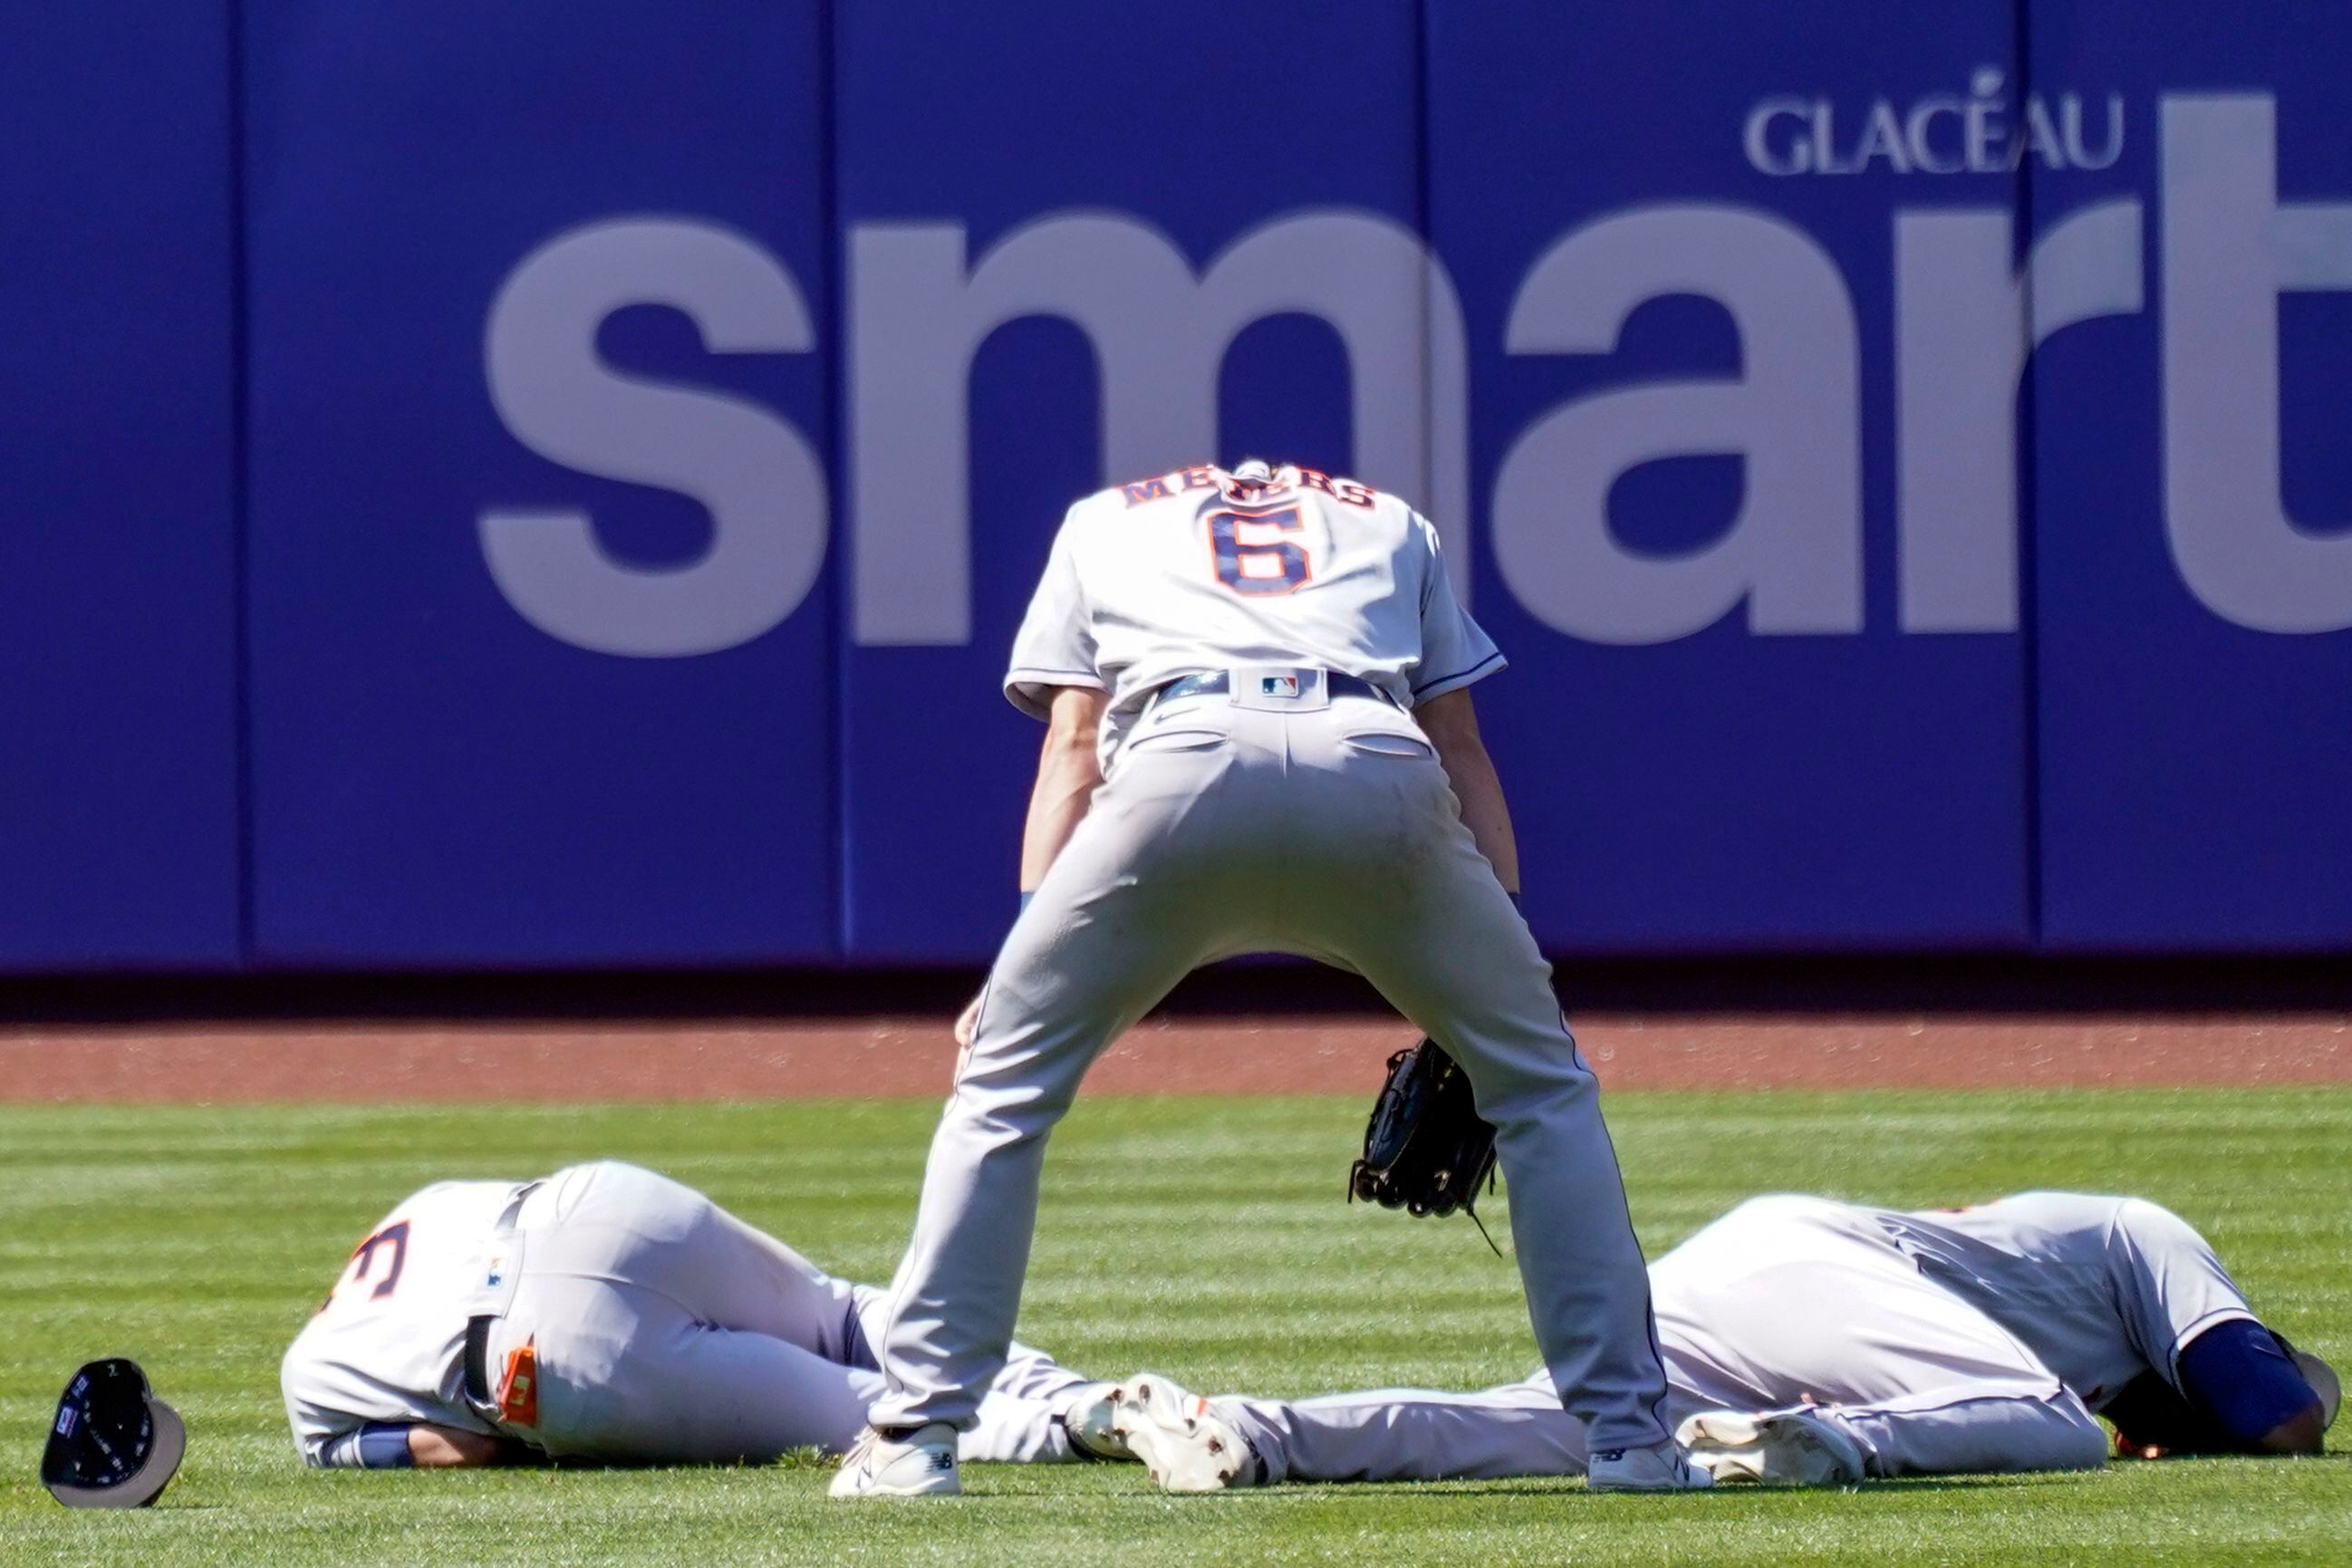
x=1259 y=738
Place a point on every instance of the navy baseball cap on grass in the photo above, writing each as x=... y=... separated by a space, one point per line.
x=112 y=1443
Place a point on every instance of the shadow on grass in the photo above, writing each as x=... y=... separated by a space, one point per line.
x=1568 y=1487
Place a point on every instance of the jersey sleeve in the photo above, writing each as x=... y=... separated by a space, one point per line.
x=327 y=1438
x=2169 y=1284
x=1455 y=651
x=375 y=1445
x=1055 y=645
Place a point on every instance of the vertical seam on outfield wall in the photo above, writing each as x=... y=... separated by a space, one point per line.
x=2028 y=482
x=1422 y=223
x=829 y=277
x=240 y=478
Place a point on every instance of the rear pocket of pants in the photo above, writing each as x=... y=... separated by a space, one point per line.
x=1389 y=743
x=1175 y=740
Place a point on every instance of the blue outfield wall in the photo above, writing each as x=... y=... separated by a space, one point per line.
x=1719 y=732
x=542 y=637
x=1118 y=262
x=554 y=486
x=118 y=543
x=2194 y=626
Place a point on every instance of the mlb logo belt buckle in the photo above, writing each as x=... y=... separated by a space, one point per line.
x=1278 y=688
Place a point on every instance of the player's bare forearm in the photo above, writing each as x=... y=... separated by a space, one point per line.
x=1451 y=722
x=1068 y=772
x=432 y=1448
x=2302 y=1433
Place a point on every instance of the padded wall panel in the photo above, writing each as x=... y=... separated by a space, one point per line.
x=118 y=712
x=528 y=263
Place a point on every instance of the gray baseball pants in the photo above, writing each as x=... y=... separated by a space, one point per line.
x=1785 y=1301
x=1327 y=829
x=669 y=1332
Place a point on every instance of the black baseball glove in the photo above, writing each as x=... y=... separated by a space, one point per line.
x=1426 y=1149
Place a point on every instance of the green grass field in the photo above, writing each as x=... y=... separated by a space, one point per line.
x=1203 y=1238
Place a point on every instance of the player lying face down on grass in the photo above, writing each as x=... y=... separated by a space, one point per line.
x=626 y=1319
x=1813 y=1343
x=610 y=1316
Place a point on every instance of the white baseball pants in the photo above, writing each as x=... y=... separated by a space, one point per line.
x=669 y=1332
x=1785 y=1301
x=1226 y=828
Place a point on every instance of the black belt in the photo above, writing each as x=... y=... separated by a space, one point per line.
x=476 y=1362
x=1217 y=683
x=478 y=1366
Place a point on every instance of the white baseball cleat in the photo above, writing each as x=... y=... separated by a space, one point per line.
x=1778 y=1448
x=922 y=1465
x=1091 y=1419
x=1185 y=1444
x=1660 y=1468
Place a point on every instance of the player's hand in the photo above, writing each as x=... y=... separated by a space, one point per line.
x=968 y=1020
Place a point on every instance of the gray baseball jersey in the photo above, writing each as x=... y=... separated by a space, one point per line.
x=1198 y=569
x=1277 y=816
x=384 y=1345
x=2102 y=1289
x=663 y=1330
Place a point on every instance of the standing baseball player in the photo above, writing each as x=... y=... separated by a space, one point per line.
x=1813 y=1343
x=607 y=1313
x=1259 y=738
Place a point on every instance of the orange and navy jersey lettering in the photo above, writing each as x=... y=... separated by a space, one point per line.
x=1203 y=476
x=1249 y=555
x=394 y=1237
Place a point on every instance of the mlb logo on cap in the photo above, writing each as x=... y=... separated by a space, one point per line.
x=1277 y=685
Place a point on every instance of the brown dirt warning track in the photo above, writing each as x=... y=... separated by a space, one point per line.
x=910 y=1054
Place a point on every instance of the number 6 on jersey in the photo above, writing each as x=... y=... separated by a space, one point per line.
x=1248 y=560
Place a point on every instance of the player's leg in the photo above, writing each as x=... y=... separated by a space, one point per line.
x=947 y=1323
x=1024 y=1418
x=1979 y=1427
x=1410 y=903
x=633 y=1225
x=627 y=1375
x=1133 y=902
x=1029 y=1374
x=1792 y=1302
x=665 y=1330
x=1412 y=1435
x=1013 y=1429
x=755 y=1311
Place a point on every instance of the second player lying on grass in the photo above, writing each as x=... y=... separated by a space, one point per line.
x=1815 y=1342
x=616 y=1315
